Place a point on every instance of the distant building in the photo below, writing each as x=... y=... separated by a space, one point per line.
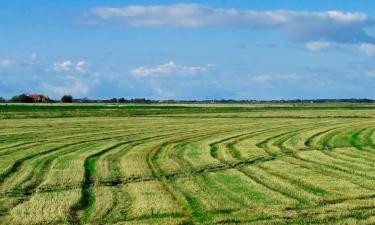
x=39 y=97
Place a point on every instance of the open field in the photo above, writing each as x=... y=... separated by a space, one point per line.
x=187 y=164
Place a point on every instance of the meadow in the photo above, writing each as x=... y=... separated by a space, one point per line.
x=187 y=164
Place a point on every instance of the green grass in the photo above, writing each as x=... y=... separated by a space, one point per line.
x=187 y=164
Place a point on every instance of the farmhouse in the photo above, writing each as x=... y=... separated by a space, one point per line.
x=39 y=97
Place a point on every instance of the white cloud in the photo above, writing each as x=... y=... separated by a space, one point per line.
x=73 y=85
x=368 y=49
x=68 y=65
x=308 y=26
x=168 y=69
x=318 y=45
x=268 y=78
x=6 y=62
x=63 y=66
x=74 y=88
x=64 y=79
x=19 y=63
x=262 y=78
x=81 y=66
x=33 y=56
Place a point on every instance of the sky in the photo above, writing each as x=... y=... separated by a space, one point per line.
x=222 y=49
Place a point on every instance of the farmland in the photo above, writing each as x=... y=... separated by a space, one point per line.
x=187 y=164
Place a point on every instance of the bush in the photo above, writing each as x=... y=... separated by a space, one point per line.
x=113 y=100
x=22 y=99
x=67 y=99
x=122 y=100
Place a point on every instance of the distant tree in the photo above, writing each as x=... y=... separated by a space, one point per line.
x=22 y=99
x=122 y=100
x=113 y=100
x=140 y=100
x=86 y=100
x=2 y=100
x=67 y=99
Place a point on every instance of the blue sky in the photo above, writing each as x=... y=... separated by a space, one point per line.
x=233 y=49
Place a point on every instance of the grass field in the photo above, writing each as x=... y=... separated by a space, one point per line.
x=187 y=164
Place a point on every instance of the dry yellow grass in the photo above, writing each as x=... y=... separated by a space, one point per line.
x=171 y=166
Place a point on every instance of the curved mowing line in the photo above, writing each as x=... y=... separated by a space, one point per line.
x=279 y=141
x=87 y=196
x=275 y=219
x=214 y=147
x=328 y=217
x=15 y=146
x=115 y=164
x=288 y=135
x=179 y=148
x=129 y=180
x=46 y=164
x=18 y=163
x=29 y=190
x=330 y=172
x=270 y=187
x=178 y=196
x=328 y=136
x=22 y=148
x=263 y=144
x=338 y=172
x=262 y=159
x=58 y=140
x=327 y=166
x=309 y=140
x=231 y=145
x=356 y=143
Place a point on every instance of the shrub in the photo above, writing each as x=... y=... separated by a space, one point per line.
x=22 y=98
x=67 y=99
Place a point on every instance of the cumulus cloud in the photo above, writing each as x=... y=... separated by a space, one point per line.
x=299 y=25
x=65 y=80
x=31 y=73
x=169 y=69
x=63 y=66
x=368 y=49
x=81 y=66
x=318 y=45
x=68 y=65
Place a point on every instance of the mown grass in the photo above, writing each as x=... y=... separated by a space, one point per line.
x=187 y=164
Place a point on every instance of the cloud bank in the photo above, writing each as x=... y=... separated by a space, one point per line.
x=318 y=45
x=170 y=68
x=336 y=26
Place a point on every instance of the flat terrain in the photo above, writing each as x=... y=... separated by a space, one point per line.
x=187 y=164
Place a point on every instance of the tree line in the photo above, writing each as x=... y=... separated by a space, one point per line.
x=30 y=98
x=27 y=98
x=37 y=98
